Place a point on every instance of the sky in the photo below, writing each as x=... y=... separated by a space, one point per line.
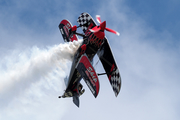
x=35 y=60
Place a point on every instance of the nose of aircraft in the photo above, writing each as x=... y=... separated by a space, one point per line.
x=103 y=25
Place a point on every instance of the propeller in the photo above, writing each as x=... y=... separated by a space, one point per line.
x=102 y=27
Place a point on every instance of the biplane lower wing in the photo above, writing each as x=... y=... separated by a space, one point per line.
x=89 y=75
x=109 y=64
x=64 y=28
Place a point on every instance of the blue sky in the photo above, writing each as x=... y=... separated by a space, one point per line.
x=161 y=15
x=33 y=63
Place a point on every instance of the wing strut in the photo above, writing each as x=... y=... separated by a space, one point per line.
x=106 y=73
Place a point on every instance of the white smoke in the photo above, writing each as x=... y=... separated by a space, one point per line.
x=33 y=74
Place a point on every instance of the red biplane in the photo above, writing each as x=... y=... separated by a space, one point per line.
x=94 y=42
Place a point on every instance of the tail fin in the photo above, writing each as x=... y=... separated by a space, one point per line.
x=76 y=100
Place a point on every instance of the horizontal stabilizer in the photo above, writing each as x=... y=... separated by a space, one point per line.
x=89 y=75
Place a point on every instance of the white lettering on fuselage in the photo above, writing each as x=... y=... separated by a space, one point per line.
x=90 y=87
x=92 y=73
x=66 y=28
x=87 y=73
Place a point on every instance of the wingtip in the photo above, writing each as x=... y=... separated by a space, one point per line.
x=97 y=15
x=117 y=33
x=98 y=18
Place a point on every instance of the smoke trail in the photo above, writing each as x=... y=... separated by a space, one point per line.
x=20 y=71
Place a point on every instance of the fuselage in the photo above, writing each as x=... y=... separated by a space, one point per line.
x=93 y=42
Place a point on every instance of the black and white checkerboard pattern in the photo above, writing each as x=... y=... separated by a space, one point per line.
x=84 y=21
x=115 y=81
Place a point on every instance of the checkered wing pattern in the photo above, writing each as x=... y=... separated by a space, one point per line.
x=115 y=81
x=109 y=64
x=84 y=21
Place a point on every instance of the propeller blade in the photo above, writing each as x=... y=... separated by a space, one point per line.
x=113 y=31
x=98 y=18
x=95 y=29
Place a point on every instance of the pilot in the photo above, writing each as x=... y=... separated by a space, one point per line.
x=80 y=89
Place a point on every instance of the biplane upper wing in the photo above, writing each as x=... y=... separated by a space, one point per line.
x=105 y=55
x=86 y=22
x=89 y=75
x=109 y=64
